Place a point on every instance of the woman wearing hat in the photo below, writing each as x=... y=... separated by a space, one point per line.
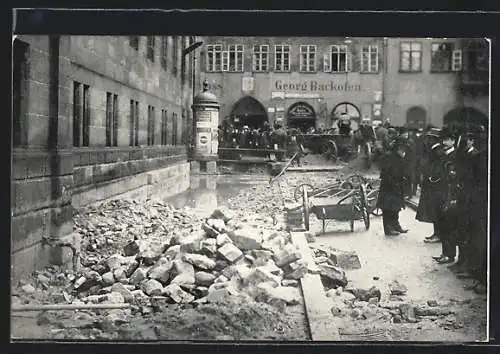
x=392 y=188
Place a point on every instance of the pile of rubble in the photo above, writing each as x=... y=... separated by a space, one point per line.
x=169 y=256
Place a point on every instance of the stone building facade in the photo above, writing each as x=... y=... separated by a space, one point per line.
x=94 y=117
x=311 y=81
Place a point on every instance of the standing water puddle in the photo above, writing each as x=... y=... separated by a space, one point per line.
x=209 y=192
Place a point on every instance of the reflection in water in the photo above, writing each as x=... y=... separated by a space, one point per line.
x=207 y=192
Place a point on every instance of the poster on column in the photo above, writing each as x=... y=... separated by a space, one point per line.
x=203 y=141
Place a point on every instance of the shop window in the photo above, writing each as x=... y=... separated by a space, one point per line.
x=20 y=90
x=214 y=57
x=260 y=58
x=151 y=48
x=369 y=59
x=111 y=119
x=282 y=58
x=307 y=58
x=134 y=123
x=164 y=131
x=81 y=114
x=163 y=56
x=151 y=125
x=338 y=59
x=411 y=57
x=134 y=42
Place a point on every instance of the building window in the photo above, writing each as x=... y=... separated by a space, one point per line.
x=163 y=56
x=174 y=128
x=260 y=58
x=151 y=48
x=175 y=55
x=134 y=42
x=151 y=125
x=235 y=58
x=81 y=114
x=20 y=90
x=214 y=57
x=411 y=57
x=164 y=131
x=282 y=58
x=111 y=119
x=441 y=57
x=338 y=60
x=134 y=123
x=477 y=57
x=369 y=59
x=307 y=58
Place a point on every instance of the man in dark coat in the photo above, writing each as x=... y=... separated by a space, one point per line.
x=411 y=160
x=431 y=179
x=392 y=189
x=446 y=204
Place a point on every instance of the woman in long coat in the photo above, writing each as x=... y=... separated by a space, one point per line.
x=392 y=189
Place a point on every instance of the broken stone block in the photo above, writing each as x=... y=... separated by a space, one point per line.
x=397 y=288
x=218 y=295
x=272 y=268
x=119 y=274
x=309 y=237
x=199 y=261
x=347 y=297
x=230 y=252
x=432 y=303
x=131 y=268
x=126 y=293
x=345 y=259
x=138 y=276
x=373 y=300
x=108 y=278
x=158 y=302
x=333 y=276
x=290 y=282
x=115 y=297
x=152 y=287
x=261 y=275
x=131 y=248
x=296 y=270
x=217 y=224
x=28 y=289
x=247 y=238
x=288 y=295
x=161 y=272
x=222 y=239
x=287 y=255
x=223 y=214
x=191 y=244
x=210 y=230
x=149 y=256
x=183 y=273
x=208 y=247
x=407 y=312
x=432 y=311
x=395 y=298
x=365 y=295
x=178 y=295
x=204 y=278
x=261 y=257
x=331 y=293
x=172 y=252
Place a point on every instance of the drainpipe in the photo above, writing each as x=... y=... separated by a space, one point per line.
x=384 y=78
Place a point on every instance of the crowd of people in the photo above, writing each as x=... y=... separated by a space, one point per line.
x=451 y=167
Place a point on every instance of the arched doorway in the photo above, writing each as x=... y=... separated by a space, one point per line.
x=248 y=111
x=346 y=109
x=416 y=118
x=301 y=116
x=465 y=116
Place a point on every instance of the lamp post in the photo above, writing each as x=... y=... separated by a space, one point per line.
x=185 y=52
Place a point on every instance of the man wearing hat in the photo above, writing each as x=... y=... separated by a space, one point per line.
x=411 y=161
x=392 y=189
x=446 y=201
x=431 y=178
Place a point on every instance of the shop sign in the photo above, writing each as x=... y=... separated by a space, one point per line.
x=277 y=94
x=316 y=86
x=301 y=95
x=301 y=111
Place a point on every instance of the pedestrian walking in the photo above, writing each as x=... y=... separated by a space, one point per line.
x=431 y=179
x=392 y=189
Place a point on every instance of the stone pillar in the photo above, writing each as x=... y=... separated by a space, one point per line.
x=60 y=150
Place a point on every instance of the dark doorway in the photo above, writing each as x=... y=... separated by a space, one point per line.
x=20 y=89
x=250 y=112
x=416 y=118
x=301 y=116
